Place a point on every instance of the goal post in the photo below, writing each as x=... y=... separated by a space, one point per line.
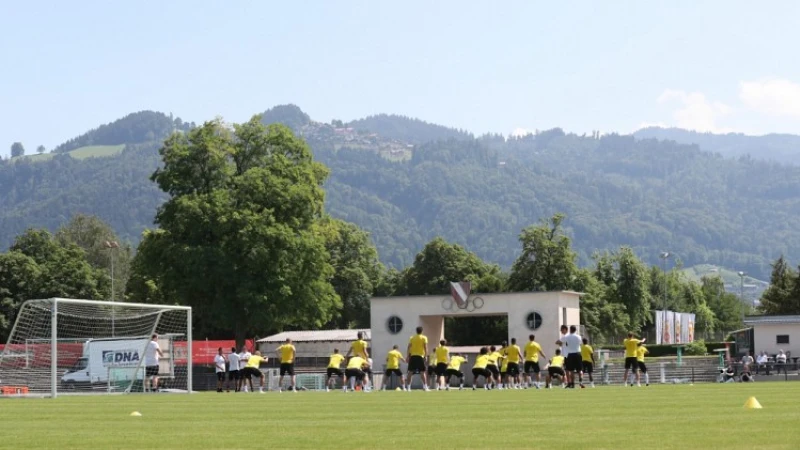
x=67 y=346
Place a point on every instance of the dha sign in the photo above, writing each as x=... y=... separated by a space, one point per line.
x=120 y=357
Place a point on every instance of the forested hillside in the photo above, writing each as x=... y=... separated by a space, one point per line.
x=783 y=148
x=651 y=195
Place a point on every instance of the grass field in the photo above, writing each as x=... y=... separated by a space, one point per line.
x=92 y=151
x=679 y=416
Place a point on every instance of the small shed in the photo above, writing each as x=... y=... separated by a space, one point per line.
x=774 y=333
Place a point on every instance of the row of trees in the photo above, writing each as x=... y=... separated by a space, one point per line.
x=17 y=149
x=783 y=294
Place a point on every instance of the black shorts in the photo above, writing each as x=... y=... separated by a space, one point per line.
x=287 y=368
x=220 y=376
x=334 y=371
x=357 y=373
x=631 y=363
x=249 y=372
x=493 y=369
x=453 y=373
x=233 y=375
x=588 y=366
x=431 y=370
x=441 y=368
x=416 y=364
x=513 y=369
x=553 y=371
x=151 y=371
x=532 y=367
x=476 y=372
x=574 y=362
x=390 y=372
x=642 y=367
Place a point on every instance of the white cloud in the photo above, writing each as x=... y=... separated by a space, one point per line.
x=772 y=96
x=696 y=111
x=520 y=132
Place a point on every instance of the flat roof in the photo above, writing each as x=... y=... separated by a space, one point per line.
x=481 y=294
x=765 y=320
x=317 y=336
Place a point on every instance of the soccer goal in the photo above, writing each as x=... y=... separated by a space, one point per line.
x=66 y=346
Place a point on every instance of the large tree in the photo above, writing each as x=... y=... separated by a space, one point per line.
x=17 y=149
x=39 y=266
x=547 y=261
x=238 y=239
x=357 y=271
x=726 y=306
x=627 y=282
x=102 y=246
x=782 y=295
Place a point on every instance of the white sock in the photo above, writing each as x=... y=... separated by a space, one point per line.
x=647 y=378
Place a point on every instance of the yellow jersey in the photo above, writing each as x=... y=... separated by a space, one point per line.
x=356 y=362
x=432 y=359
x=442 y=354
x=335 y=361
x=557 y=361
x=513 y=354
x=630 y=347
x=640 y=352
x=254 y=361
x=419 y=343
x=493 y=357
x=287 y=352
x=393 y=359
x=504 y=365
x=532 y=349
x=586 y=353
x=481 y=362
x=456 y=361
x=359 y=348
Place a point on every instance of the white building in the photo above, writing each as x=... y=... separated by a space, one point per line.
x=394 y=319
x=774 y=333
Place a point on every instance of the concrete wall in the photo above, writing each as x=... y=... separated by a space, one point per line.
x=429 y=312
x=765 y=335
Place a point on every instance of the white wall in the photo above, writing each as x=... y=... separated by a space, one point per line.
x=765 y=335
x=428 y=312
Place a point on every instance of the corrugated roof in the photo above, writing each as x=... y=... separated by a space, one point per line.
x=754 y=320
x=317 y=336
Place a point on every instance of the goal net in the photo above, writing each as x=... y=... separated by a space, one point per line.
x=65 y=346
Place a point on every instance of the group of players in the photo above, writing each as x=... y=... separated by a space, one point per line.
x=504 y=367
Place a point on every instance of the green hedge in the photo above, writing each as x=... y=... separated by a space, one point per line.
x=668 y=350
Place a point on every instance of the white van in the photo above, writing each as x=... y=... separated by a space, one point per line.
x=104 y=360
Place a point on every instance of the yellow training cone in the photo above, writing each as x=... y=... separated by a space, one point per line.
x=138 y=414
x=752 y=403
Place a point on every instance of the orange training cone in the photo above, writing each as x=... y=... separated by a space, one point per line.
x=752 y=403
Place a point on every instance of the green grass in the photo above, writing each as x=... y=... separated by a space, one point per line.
x=679 y=416
x=92 y=151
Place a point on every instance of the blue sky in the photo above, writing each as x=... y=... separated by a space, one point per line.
x=482 y=66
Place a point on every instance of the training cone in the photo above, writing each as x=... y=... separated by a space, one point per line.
x=752 y=403
x=138 y=414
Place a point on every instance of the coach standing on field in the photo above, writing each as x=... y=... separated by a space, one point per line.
x=573 y=343
x=151 y=354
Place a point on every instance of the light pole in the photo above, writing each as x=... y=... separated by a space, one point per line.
x=664 y=256
x=741 y=291
x=111 y=246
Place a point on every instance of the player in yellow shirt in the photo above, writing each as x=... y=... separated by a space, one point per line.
x=555 y=369
x=641 y=350
x=287 y=353
x=393 y=359
x=479 y=369
x=251 y=369
x=431 y=370
x=495 y=358
x=503 y=365
x=355 y=372
x=442 y=356
x=454 y=369
x=631 y=364
x=587 y=360
x=359 y=347
x=532 y=351
x=417 y=353
x=334 y=368
x=514 y=355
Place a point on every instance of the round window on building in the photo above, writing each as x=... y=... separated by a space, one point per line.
x=533 y=321
x=394 y=324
